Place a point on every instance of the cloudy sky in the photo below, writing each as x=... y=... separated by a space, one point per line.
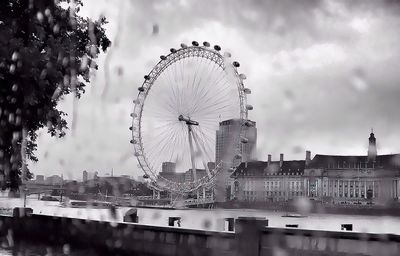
x=322 y=74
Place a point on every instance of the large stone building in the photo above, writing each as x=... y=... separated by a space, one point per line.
x=269 y=181
x=330 y=178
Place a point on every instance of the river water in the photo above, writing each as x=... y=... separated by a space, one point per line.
x=206 y=219
x=209 y=219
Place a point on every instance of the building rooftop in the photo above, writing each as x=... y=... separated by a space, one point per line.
x=260 y=168
x=345 y=162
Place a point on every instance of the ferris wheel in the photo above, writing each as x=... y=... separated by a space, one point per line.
x=177 y=113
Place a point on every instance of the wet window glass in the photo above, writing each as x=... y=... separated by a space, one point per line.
x=197 y=127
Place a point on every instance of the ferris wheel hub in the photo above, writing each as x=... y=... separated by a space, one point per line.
x=187 y=120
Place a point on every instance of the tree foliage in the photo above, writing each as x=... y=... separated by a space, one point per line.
x=46 y=51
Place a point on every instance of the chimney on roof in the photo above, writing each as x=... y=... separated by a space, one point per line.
x=281 y=160
x=308 y=157
x=269 y=159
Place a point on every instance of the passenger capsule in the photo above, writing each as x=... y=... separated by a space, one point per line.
x=130 y=128
x=173 y=50
x=217 y=47
x=247 y=91
x=136 y=101
x=133 y=115
x=163 y=57
x=244 y=140
x=141 y=89
x=137 y=154
x=146 y=176
x=236 y=64
x=243 y=76
x=195 y=43
x=183 y=45
x=238 y=156
x=206 y=44
x=249 y=107
x=146 y=77
x=133 y=141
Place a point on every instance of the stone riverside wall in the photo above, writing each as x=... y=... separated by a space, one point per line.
x=310 y=242
x=251 y=237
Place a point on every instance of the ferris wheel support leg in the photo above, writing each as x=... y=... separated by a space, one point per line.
x=192 y=153
x=204 y=193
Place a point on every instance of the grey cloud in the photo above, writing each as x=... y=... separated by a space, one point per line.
x=322 y=108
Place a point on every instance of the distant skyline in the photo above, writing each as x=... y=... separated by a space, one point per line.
x=322 y=74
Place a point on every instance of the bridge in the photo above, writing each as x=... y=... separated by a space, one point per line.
x=34 y=188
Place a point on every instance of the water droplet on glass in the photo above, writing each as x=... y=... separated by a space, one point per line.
x=56 y=29
x=65 y=61
x=47 y=12
x=207 y=224
x=84 y=63
x=14 y=87
x=12 y=68
x=358 y=80
x=66 y=249
x=39 y=16
x=15 y=56
x=156 y=215
x=120 y=71
x=43 y=74
x=156 y=29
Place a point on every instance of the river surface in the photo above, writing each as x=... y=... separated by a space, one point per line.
x=205 y=219
x=210 y=219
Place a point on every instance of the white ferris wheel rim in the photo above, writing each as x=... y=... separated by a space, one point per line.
x=195 y=50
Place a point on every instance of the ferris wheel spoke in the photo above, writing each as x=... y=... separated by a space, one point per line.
x=206 y=86
x=163 y=106
x=155 y=152
x=200 y=142
x=174 y=96
x=215 y=101
x=152 y=146
x=205 y=69
x=159 y=134
x=174 y=143
x=200 y=149
x=216 y=108
x=209 y=139
x=205 y=97
x=172 y=84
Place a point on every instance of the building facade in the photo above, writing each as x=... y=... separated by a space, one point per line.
x=232 y=149
x=39 y=179
x=269 y=181
x=371 y=178
x=86 y=176
x=168 y=167
x=169 y=173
